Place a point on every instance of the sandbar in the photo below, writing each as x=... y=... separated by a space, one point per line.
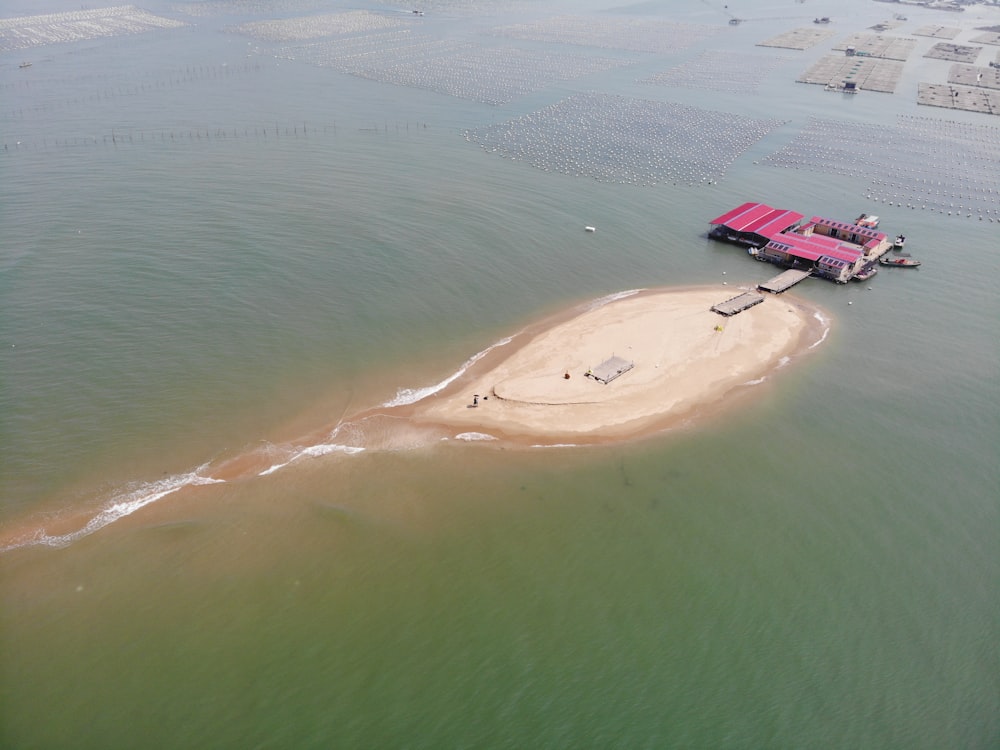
x=684 y=357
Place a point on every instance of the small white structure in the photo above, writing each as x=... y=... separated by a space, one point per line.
x=609 y=369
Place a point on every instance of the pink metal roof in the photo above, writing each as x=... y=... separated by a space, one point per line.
x=871 y=234
x=776 y=222
x=741 y=215
x=814 y=247
x=758 y=218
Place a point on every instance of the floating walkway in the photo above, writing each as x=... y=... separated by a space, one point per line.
x=738 y=303
x=783 y=281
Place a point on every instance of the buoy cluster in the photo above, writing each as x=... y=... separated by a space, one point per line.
x=921 y=163
x=631 y=34
x=626 y=140
x=319 y=26
x=492 y=75
x=720 y=70
x=24 y=32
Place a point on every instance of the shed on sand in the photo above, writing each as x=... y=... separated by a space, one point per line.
x=610 y=369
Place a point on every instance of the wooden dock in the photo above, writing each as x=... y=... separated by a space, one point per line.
x=738 y=304
x=783 y=281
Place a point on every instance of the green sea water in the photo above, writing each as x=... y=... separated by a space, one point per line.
x=208 y=252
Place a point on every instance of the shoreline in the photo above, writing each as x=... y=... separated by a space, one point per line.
x=686 y=359
x=684 y=369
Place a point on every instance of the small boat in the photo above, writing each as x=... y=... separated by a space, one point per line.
x=898 y=244
x=867 y=271
x=870 y=222
x=24 y=65
x=900 y=262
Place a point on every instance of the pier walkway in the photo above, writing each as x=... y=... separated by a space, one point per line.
x=738 y=304
x=783 y=281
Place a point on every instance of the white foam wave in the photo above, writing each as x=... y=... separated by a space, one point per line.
x=825 y=321
x=783 y=361
x=473 y=436
x=756 y=381
x=602 y=301
x=121 y=505
x=312 y=451
x=407 y=396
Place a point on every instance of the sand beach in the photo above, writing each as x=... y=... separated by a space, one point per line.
x=678 y=355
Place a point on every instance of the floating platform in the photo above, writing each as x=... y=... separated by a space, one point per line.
x=968 y=98
x=875 y=45
x=869 y=73
x=973 y=75
x=938 y=32
x=738 y=304
x=989 y=37
x=797 y=39
x=954 y=52
x=783 y=281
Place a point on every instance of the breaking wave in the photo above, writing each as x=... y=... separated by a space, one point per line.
x=602 y=301
x=407 y=396
x=312 y=451
x=121 y=505
x=473 y=436
x=825 y=322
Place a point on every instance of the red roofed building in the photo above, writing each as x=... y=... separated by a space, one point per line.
x=753 y=224
x=826 y=256
x=875 y=243
x=831 y=249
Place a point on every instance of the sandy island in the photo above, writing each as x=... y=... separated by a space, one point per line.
x=685 y=356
